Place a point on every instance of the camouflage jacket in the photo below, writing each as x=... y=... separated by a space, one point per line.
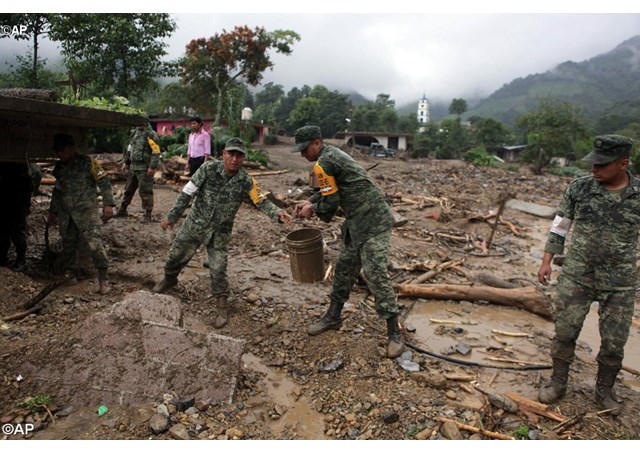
x=143 y=151
x=75 y=191
x=345 y=184
x=602 y=253
x=217 y=200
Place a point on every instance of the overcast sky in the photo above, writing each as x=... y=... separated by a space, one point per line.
x=408 y=53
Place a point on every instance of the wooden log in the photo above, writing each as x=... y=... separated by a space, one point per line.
x=534 y=406
x=473 y=429
x=44 y=292
x=267 y=173
x=23 y=314
x=528 y=298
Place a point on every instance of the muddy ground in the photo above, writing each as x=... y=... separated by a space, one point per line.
x=338 y=385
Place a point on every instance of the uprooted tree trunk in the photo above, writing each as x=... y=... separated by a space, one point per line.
x=528 y=298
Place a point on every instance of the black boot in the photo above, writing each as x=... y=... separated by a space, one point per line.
x=556 y=388
x=330 y=320
x=122 y=211
x=168 y=282
x=605 y=396
x=147 y=216
x=21 y=262
x=395 y=345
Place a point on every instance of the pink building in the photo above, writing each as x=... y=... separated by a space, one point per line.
x=166 y=126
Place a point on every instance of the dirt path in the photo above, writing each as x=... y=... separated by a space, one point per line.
x=285 y=389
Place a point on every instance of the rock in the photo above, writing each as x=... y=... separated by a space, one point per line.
x=437 y=381
x=191 y=411
x=424 y=434
x=185 y=403
x=408 y=365
x=203 y=405
x=329 y=367
x=451 y=431
x=162 y=410
x=390 y=417
x=143 y=415
x=179 y=432
x=252 y=298
x=502 y=402
x=463 y=348
x=158 y=424
x=234 y=433
x=451 y=395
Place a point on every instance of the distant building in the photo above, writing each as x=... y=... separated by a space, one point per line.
x=423 y=111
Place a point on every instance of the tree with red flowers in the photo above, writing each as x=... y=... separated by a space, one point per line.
x=216 y=64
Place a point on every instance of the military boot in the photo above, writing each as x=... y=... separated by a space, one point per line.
x=166 y=284
x=330 y=320
x=556 y=388
x=223 y=312
x=122 y=211
x=21 y=261
x=605 y=396
x=103 y=282
x=147 y=216
x=395 y=345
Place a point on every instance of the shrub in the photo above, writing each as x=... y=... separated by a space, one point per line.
x=480 y=157
x=270 y=139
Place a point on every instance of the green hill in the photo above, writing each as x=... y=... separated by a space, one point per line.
x=594 y=85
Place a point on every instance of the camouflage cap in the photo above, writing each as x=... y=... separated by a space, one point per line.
x=607 y=148
x=235 y=144
x=304 y=136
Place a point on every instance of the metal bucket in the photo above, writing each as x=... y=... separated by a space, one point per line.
x=306 y=255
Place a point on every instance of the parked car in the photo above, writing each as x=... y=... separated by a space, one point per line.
x=377 y=150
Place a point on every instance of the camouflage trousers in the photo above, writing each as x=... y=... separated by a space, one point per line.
x=185 y=245
x=72 y=232
x=138 y=179
x=371 y=257
x=615 y=312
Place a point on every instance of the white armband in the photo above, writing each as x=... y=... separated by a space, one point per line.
x=561 y=226
x=190 y=188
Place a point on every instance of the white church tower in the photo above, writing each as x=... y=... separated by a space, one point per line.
x=423 y=111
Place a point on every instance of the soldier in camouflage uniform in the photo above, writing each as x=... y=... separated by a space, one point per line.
x=366 y=231
x=604 y=209
x=141 y=160
x=74 y=205
x=219 y=187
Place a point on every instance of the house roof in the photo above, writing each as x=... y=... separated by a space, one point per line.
x=54 y=113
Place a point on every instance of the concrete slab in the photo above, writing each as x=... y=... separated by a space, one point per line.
x=537 y=210
x=135 y=352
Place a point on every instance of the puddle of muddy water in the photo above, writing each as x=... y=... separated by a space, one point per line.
x=472 y=324
x=299 y=414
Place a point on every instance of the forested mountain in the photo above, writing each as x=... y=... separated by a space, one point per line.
x=595 y=85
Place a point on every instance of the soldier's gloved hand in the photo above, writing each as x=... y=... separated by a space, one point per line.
x=151 y=172
x=166 y=224
x=107 y=213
